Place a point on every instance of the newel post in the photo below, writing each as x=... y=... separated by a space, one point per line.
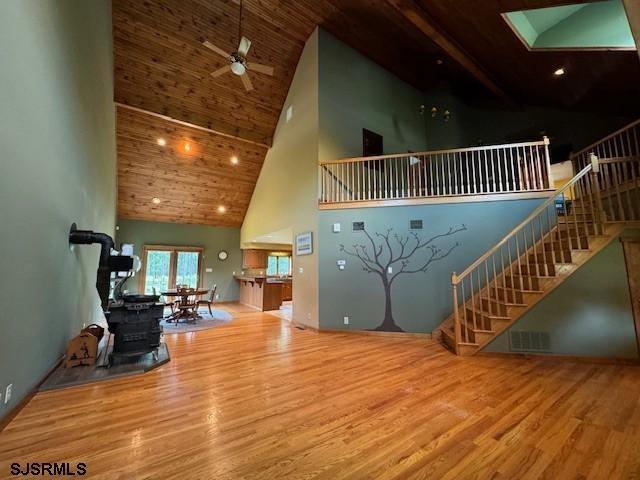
x=595 y=169
x=548 y=160
x=456 y=317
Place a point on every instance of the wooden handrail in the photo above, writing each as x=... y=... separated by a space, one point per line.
x=546 y=204
x=630 y=158
x=545 y=141
x=602 y=140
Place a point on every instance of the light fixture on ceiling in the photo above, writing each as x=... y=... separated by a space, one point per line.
x=155 y=200
x=161 y=141
x=187 y=147
x=234 y=160
x=222 y=209
x=560 y=72
x=238 y=68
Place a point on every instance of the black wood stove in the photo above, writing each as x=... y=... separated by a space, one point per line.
x=135 y=324
x=134 y=320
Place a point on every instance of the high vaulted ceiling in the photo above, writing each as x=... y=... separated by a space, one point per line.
x=161 y=67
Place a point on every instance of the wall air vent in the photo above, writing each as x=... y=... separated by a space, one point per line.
x=358 y=226
x=523 y=341
x=415 y=224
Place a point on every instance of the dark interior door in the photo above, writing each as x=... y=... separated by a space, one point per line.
x=371 y=143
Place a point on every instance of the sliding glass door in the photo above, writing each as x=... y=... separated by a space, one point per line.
x=157 y=271
x=164 y=267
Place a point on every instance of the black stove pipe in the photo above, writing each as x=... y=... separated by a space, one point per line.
x=88 y=237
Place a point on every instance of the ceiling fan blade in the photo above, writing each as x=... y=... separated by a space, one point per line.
x=220 y=71
x=246 y=81
x=219 y=51
x=258 y=67
x=244 y=46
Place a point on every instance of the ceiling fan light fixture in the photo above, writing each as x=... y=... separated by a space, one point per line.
x=238 y=68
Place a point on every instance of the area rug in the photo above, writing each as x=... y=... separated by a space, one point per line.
x=219 y=318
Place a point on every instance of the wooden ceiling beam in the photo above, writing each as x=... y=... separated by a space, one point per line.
x=418 y=17
x=190 y=125
x=632 y=7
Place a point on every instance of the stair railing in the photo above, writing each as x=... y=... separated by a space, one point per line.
x=621 y=143
x=618 y=183
x=529 y=251
x=495 y=169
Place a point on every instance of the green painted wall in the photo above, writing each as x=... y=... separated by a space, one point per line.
x=356 y=93
x=421 y=301
x=285 y=196
x=587 y=315
x=58 y=166
x=598 y=24
x=491 y=123
x=212 y=239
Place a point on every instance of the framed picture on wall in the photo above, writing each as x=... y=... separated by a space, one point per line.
x=304 y=243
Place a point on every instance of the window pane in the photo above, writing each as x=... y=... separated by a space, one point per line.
x=272 y=265
x=187 y=269
x=284 y=265
x=157 y=271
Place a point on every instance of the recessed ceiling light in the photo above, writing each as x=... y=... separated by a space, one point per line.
x=162 y=142
x=559 y=72
x=187 y=147
x=222 y=209
x=234 y=160
x=155 y=200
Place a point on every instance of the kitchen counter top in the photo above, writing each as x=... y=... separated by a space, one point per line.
x=248 y=278
x=278 y=280
x=260 y=292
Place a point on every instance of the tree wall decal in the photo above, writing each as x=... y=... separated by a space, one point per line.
x=396 y=251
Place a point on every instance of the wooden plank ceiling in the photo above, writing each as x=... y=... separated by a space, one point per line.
x=162 y=67
x=602 y=81
x=191 y=185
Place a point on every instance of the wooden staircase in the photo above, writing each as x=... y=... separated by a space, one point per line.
x=537 y=256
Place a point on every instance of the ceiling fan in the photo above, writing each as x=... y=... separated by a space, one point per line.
x=238 y=60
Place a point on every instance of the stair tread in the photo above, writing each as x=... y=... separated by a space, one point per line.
x=502 y=302
x=451 y=334
x=488 y=314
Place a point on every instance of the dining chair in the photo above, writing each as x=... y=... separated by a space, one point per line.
x=209 y=302
x=163 y=300
x=189 y=293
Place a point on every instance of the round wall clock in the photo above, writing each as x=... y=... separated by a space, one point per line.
x=223 y=255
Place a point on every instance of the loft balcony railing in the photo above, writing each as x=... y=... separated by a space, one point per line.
x=478 y=171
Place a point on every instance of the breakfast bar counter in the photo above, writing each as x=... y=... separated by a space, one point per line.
x=260 y=293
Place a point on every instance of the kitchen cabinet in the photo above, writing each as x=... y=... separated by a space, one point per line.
x=254 y=259
x=260 y=293
x=287 y=291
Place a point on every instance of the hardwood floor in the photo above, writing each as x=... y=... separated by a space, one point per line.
x=259 y=399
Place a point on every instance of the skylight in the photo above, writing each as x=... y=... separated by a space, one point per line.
x=583 y=26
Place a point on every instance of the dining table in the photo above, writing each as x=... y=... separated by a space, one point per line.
x=186 y=312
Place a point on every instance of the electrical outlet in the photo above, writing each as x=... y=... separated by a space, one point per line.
x=7 y=393
x=217 y=296
x=346 y=320
x=390 y=270
x=308 y=316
